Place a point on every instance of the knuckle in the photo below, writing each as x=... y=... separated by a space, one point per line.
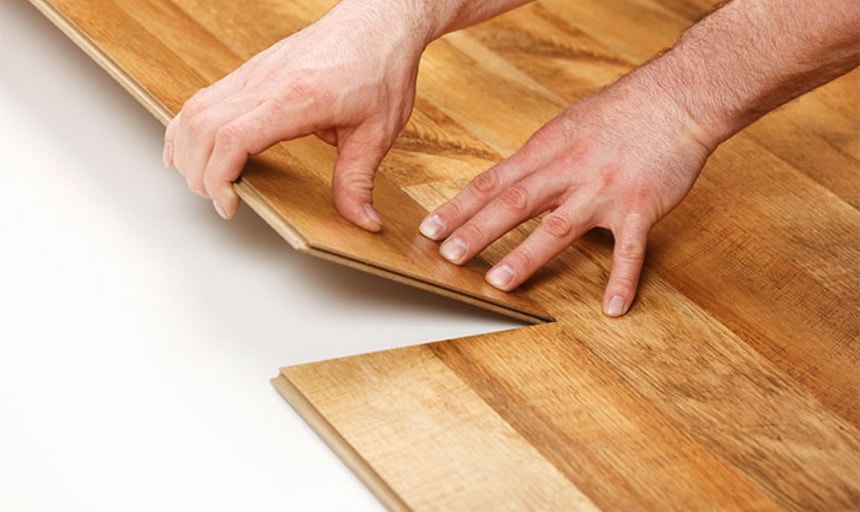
x=215 y=186
x=300 y=85
x=557 y=225
x=453 y=209
x=197 y=186
x=355 y=182
x=522 y=260
x=515 y=199
x=484 y=184
x=631 y=250
x=473 y=232
x=197 y=125
x=229 y=134
x=624 y=281
x=196 y=104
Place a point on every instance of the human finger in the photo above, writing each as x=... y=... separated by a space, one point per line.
x=556 y=231
x=512 y=206
x=195 y=137
x=628 y=256
x=479 y=192
x=169 y=135
x=359 y=155
x=235 y=141
x=203 y=100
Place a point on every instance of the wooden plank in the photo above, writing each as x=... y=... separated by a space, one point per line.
x=287 y=185
x=734 y=382
x=466 y=449
x=745 y=337
x=646 y=464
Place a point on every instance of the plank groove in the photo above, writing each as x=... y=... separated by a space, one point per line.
x=732 y=384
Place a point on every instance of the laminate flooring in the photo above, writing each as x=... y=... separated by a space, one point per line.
x=732 y=384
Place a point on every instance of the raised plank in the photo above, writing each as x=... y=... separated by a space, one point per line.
x=143 y=45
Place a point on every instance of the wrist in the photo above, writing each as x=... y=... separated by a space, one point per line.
x=750 y=57
x=709 y=112
x=383 y=24
x=659 y=94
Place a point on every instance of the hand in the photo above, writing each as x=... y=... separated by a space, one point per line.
x=620 y=159
x=342 y=78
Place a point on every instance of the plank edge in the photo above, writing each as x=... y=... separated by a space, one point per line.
x=132 y=86
x=258 y=202
x=271 y=216
x=339 y=445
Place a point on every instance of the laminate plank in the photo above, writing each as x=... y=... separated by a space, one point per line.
x=287 y=187
x=466 y=450
x=708 y=364
x=781 y=328
x=764 y=195
x=733 y=383
x=618 y=412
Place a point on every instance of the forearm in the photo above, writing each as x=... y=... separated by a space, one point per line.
x=423 y=21
x=451 y=15
x=752 y=56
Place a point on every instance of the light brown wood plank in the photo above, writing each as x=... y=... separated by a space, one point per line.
x=764 y=195
x=289 y=187
x=466 y=449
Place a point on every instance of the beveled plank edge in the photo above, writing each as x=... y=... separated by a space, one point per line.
x=338 y=444
x=91 y=49
x=529 y=317
x=283 y=227
x=263 y=208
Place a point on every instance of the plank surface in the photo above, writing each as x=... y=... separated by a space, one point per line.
x=163 y=52
x=732 y=384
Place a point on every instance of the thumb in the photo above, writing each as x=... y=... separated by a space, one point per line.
x=352 y=182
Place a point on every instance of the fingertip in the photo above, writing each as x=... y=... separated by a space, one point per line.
x=167 y=154
x=501 y=277
x=219 y=209
x=169 y=135
x=227 y=203
x=433 y=227
x=616 y=306
x=372 y=220
x=359 y=213
x=355 y=204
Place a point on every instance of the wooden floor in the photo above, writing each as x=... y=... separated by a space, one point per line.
x=733 y=383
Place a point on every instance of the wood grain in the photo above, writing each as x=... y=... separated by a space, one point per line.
x=732 y=384
x=163 y=52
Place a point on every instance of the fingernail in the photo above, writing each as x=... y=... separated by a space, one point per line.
x=501 y=276
x=432 y=226
x=167 y=154
x=373 y=215
x=616 y=306
x=454 y=249
x=219 y=210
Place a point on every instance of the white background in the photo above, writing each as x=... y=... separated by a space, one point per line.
x=138 y=331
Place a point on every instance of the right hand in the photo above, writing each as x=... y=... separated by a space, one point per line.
x=349 y=78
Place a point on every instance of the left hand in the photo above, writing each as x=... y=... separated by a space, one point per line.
x=620 y=159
